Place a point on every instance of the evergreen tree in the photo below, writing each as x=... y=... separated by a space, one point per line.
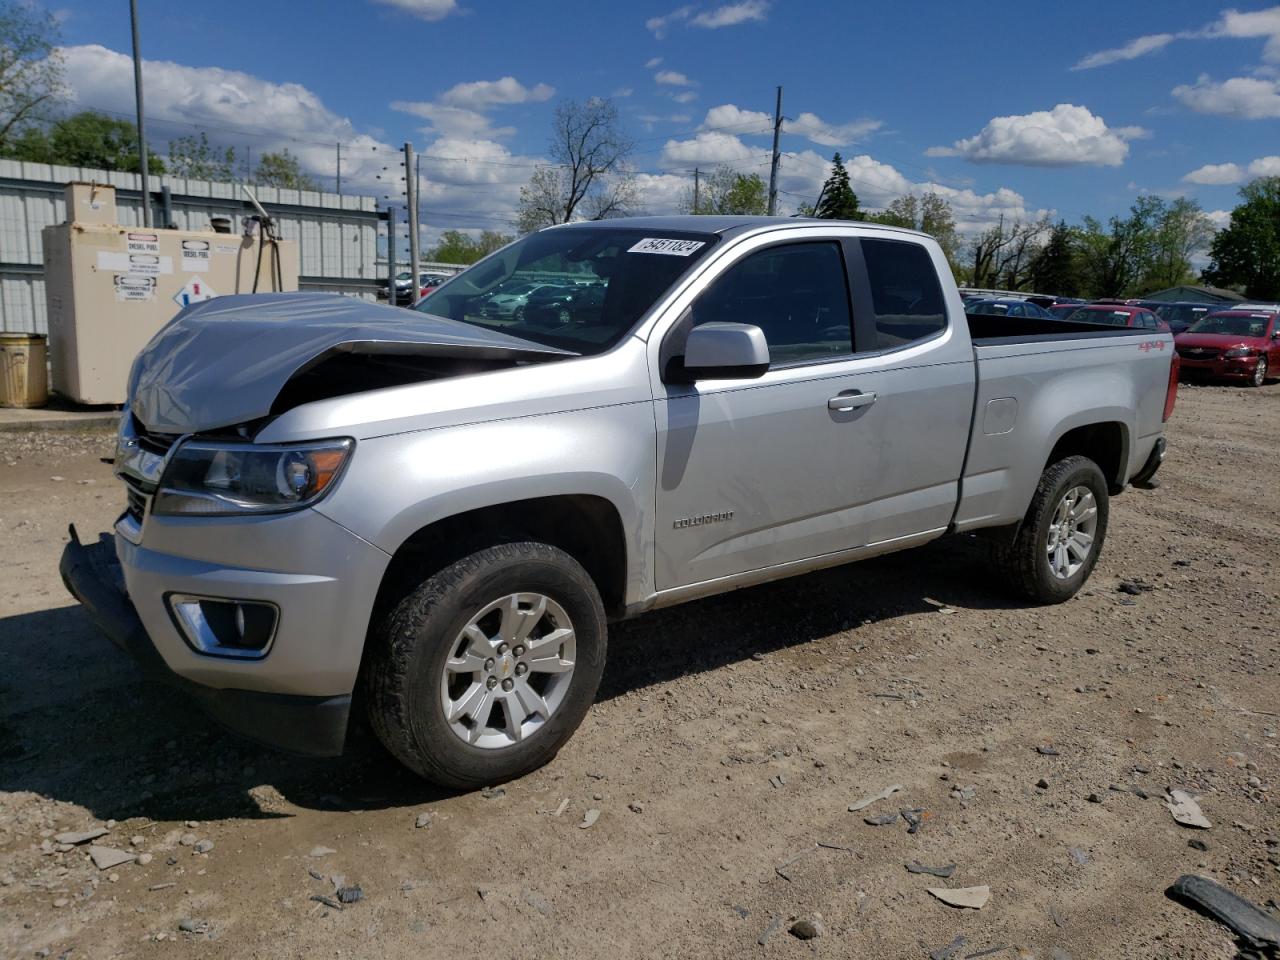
x=1055 y=269
x=838 y=202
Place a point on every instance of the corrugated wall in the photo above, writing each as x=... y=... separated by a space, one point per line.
x=337 y=234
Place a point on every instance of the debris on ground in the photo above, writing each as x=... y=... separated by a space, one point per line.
x=1047 y=750
x=1078 y=856
x=493 y=793
x=915 y=817
x=327 y=901
x=971 y=898
x=203 y=846
x=915 y=866
x=867 y=801
x=781 y=868
x=191 y=925
x=422 y=820
x=882 y=820
x=350 y=894
x=104 y=858
x=769 y=931
x=1250 y=923
x=589 y=818
x=81 y=836
x=317 y=852
x=808 y=928
x=950 y=950
x=1186 y=811
x=538 y=902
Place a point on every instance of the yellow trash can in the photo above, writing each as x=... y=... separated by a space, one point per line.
x=24 y=380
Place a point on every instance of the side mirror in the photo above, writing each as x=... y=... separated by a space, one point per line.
x=725 y=351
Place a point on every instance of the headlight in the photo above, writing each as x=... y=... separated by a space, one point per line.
x=1236 y=353
x=222 y=479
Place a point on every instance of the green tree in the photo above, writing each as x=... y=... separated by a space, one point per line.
x=1115 y=259
x=85 y=139
x=1182 y=230
x=31 y=74
x=725 y=191
x=195 y=157
x=458 y=247
x=929 y=214
x=590 y=178
x=837 y=200
x=283 y=169
x=1246 y=255
x=1054 y=268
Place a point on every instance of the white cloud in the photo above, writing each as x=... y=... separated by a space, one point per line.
x=623 y=92
x=1246 y=98
x=1265 y=167
x=653 y=62
x=1067 y=135
x=687 y=97
x=1221 y=218
x=727 y=116
x=1249 y=25
x=452 y=121
x=235 y=108
x=1253 y=24
x=802 y=173
x=813 y=127
x=424 y=9
x=1215 y=173
x=672 y=78
x=658 y=26
x=480 y=94
x=662 y=192
x=1130 y=51
x=732 y=14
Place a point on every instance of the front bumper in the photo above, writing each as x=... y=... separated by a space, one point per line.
x=1219 y=368
x=312 y=725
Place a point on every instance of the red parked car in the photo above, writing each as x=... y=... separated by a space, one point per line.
x=1118 y=315
x=1231 y=345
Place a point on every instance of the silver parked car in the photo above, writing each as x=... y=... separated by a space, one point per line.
x=446 y=511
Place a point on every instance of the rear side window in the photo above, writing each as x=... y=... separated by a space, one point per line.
x=905 y=292
x=796 y=293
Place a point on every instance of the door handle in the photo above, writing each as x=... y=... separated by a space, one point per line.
x=848 y=400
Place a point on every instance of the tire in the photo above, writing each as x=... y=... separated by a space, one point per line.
x=518 y=314
x=563 y=315
x=1025 y=563
x=1259 y=373
x=410 y=686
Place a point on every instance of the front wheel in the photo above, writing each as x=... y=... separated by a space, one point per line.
x=484 y=671
x=1259 y=373
x=1056 y=547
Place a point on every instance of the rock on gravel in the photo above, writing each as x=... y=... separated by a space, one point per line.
x=104 y=858
x=971 y=898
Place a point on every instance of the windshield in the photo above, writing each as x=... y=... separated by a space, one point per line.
x=1114 y=318
x=1232 y=326
x=594 y=284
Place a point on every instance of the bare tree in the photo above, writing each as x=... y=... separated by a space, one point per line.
x=30 y=67
x=1004 y=255
x=590 y=176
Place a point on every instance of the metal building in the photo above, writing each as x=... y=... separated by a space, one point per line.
x=336 y=234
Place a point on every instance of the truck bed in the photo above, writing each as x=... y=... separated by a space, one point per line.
x=991 y=328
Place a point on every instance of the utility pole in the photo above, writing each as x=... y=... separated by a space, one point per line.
x=411 y=195
x=417 y=188
x=142 y=134
x=391 y=254
x=337 y=179
x=773 y=167
x=696 y=174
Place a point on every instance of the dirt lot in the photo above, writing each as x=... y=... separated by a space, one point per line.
x=730 y=736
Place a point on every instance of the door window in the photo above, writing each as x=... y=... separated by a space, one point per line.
x=905 y=292
x=795 y=293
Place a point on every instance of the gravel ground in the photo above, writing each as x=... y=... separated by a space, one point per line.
x=728 y=741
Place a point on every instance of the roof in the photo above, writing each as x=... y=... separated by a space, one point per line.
x=723 y=225
x=1204 y=294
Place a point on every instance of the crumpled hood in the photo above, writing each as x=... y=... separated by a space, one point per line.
x=223 y=362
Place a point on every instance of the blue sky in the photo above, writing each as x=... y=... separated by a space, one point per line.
x=1002 y=107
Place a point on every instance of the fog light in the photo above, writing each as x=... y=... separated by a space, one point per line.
x=241 y=629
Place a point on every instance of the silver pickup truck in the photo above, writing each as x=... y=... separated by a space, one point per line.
x=435 y=514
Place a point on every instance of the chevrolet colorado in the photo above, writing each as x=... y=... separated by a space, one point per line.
x=434 y=514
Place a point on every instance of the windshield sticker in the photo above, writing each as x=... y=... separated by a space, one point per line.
x=674 y=248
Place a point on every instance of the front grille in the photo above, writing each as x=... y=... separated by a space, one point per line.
x=152 y=442
x=1198 y=353
x=137 y=506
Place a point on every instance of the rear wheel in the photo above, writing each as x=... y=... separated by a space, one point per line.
x=484 y=671
x=1057 y=545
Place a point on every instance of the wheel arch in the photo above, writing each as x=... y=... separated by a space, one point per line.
x=1105 y=442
